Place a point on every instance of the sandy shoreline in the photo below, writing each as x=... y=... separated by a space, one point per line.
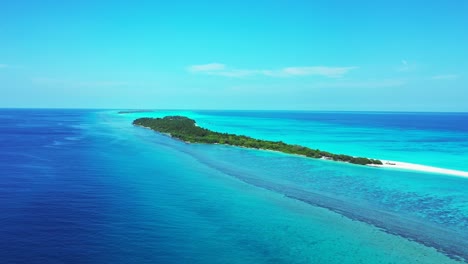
x=418 y=167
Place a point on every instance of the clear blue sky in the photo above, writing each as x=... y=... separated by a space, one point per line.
x=316 y=55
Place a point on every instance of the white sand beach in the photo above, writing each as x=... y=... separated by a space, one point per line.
x=418 y=167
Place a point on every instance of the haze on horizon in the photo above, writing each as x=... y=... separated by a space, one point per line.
x=301 y=55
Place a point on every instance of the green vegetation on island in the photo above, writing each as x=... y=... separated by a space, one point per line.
x=185 y=129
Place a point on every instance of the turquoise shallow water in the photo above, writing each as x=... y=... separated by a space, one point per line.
x=434 y=139
x=428 y=208
x=88 y=187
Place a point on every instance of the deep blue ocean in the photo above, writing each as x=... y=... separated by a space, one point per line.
x=85 y=186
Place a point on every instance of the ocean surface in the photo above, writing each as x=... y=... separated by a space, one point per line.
x=85 y=186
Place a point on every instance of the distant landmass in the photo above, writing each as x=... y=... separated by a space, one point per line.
x=135 y=111
x=185 y=129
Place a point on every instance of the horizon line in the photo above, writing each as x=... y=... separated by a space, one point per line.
x=237 y=109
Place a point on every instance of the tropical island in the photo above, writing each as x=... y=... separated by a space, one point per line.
x=185 y=129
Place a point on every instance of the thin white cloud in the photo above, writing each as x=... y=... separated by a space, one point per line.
x=317 y=70
x=207 y=67
x=221 y=70
x=445 y=77
x=406 y=66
